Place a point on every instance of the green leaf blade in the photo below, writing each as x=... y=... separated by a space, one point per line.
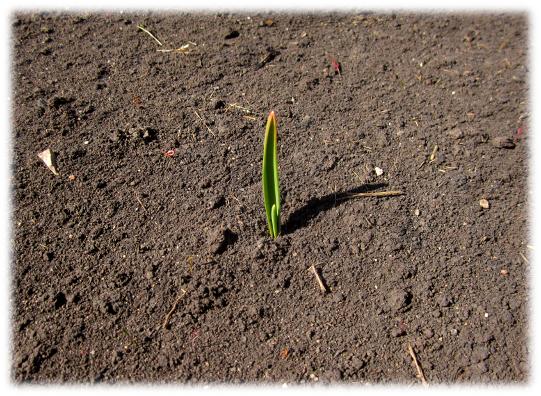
x=275 y=222
x=271 y=191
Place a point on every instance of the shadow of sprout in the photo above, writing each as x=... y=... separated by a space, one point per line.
x=302 y=216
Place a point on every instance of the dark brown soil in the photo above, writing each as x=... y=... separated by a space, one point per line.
x=132 y=265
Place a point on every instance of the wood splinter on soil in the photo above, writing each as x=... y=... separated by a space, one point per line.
x=418 y=367
x=320 y=282
x=165 y=324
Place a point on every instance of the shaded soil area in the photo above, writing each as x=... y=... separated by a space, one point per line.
x=147 y=257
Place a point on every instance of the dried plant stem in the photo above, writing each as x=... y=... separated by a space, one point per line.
x=150 y=34
x=318 y=279
x=377 y=194
x=420 y=373
x=433 y=155
x=172 y=310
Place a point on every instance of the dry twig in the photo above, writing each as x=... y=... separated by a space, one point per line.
x=377 y=194
x=150 y=34
x=318 y=278
x=183 y=49
x=140 y=202
x=418 y=367
x=165 y=324
x=433 y=155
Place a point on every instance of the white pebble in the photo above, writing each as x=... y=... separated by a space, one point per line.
x=378 y=171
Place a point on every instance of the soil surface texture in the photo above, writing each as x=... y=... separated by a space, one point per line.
x=145 y=256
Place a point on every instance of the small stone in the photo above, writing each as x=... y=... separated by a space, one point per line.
x=503 y=142
x=453 y=332
x=417 y=213
x=378 y=171
x=484 y=203
x=71 y=177
x=456 y=133
x=504 y=272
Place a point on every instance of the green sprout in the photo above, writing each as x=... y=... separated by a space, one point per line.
x=271 y=187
